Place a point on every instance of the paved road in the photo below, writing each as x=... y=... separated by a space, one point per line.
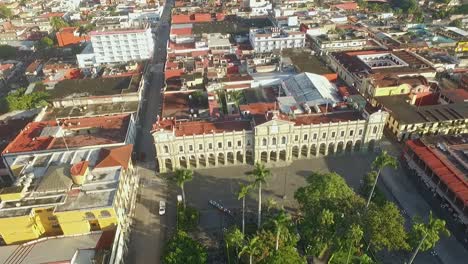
x=149 y=229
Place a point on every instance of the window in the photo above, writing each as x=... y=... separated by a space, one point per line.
x=190 y=148
x=360 y=132
x=229 y=144
x=105 y=213
x=90 y=216
x=306 y=136
x=283 y=140
x=181 y=148
x=239 y=143
x=200 y=146
x=333 y=134
x=324 y=135
x=220 y=144
x=248 y=142
x=273 y=141
x=315 y=136
x=374 y=130
x=296 y=137
x=342 y=134
x=52 y=218
x=264 y=142
x=166 y=149
x=210 y=146
x=351 y=133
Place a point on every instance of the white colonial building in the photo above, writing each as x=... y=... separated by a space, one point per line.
x=269 y=39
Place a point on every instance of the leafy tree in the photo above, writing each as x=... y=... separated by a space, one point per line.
x=187 y=218
x=382 y=161
x=354 y=235
x=251 y=248
x=5 y=12
x=7 y=52
x=285 y=255
x=236 y=96
x=385 y=228
x=456 y=23
x=57 y=23
x=366 y=187
x=425 y=236
x=235 y=238
x=44 y=42
x=260 y=174
x=183 y=249
x=243 y=192
x=18 y=100
x=182 y=176
x=280 y=221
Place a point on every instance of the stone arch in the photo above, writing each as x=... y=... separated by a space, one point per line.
x=340 y=147
x=304 y=151
x=331 y=148
x=283 y=140
x=239 y=156
x=349 y=146
x=249 y=156
x=273 y=156
x=183 y=162
x=295 y=152
x=357 y=145
x=168 y=164
x=313 y=150
x=282 y=155
x=371 y=145
x=323 y=149
x=212 y=159
x=230 y=158
x=202 y=160
x=193 y=161
x=221 y=158
x=264 y=156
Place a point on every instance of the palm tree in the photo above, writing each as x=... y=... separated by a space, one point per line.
x=57 y=23
x=243 y=192
x=183 y=176
x=280 y=221
x=261 y=174
x=233 y=237
x=382 y=161
x=355 y=235
x=427 y=234
x=251 y=248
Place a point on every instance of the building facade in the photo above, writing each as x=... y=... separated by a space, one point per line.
x=269 y=39
x=269 y=139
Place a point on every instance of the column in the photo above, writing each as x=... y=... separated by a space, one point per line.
x=268 y=156
x=225 y=158
x=207 y=163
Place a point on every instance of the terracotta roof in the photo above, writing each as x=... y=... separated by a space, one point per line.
x=202 y=127
x=119 y=156
x=79 y=168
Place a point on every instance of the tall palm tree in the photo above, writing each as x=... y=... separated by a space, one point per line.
x=280 y=221
x=183 y=176
x=427 y=234
x=382 y=161
x=251 y=248
x=261 y=173
x=235 y=238
x=243 y=192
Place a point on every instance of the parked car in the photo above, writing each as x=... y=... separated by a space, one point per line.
x=162 y=207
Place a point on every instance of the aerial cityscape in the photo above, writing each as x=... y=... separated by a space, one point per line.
x=234 y=132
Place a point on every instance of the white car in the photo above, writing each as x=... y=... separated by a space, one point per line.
x=162 y=207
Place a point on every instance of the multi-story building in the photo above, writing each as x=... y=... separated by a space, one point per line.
x=269 y=39
x=441 y=164
x=117 y=46
x=312 y=121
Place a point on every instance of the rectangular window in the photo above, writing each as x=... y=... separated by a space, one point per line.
x=181 y=148
x=324 y=135
x=220 y=145
x=306 y=136
x=333 y=134
x=351 y=132
x=239 y=143
x=360 y=132
x=210 y=146
x=315 y=135
x=342 y=133
x=200 y=146
x=190 y=148
x=296 y=137
x=229 y=144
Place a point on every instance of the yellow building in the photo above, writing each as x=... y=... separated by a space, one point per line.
x=53 y=198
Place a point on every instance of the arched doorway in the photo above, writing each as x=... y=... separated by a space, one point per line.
x=282 y=155
x=239 y=156
x=221 y=159
x=304 y=151
x=168 y=164
x=264 y=156
x=331 y=149
x=340 y=147
x=202 y=160
x=349 y=147
x=371 y=145
x=295 y=152
x=193 y=161
x=183 y=162
x=230 y=158
x=273 y=156
x=313 y=150
x=357 y=145
x=322 y=149
x=212 y=159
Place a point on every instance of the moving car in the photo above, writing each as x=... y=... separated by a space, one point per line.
x=162 y=207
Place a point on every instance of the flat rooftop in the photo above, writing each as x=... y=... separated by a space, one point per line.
x=179 y=105
x=71 y=133
x=91 y=110
x=231 y=25
x=409 y=114
x=305 y=62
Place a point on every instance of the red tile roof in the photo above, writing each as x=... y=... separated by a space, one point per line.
x=90 y=131
x=202 y=127
x=67 y=37
x=114 y=157
x=181 y=31
x=79 y=168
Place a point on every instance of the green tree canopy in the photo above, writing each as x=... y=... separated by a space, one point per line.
x=285 y=255
x=432 y=230
x=18 y=100
x=5 y=12
x=7 y=52
x=44 y=42
x=183 y=249
x=57 y=23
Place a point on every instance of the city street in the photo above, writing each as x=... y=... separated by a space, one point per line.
x=149 y=229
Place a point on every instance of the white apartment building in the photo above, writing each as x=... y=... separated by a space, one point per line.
x=117 y=46
x=269 y=39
